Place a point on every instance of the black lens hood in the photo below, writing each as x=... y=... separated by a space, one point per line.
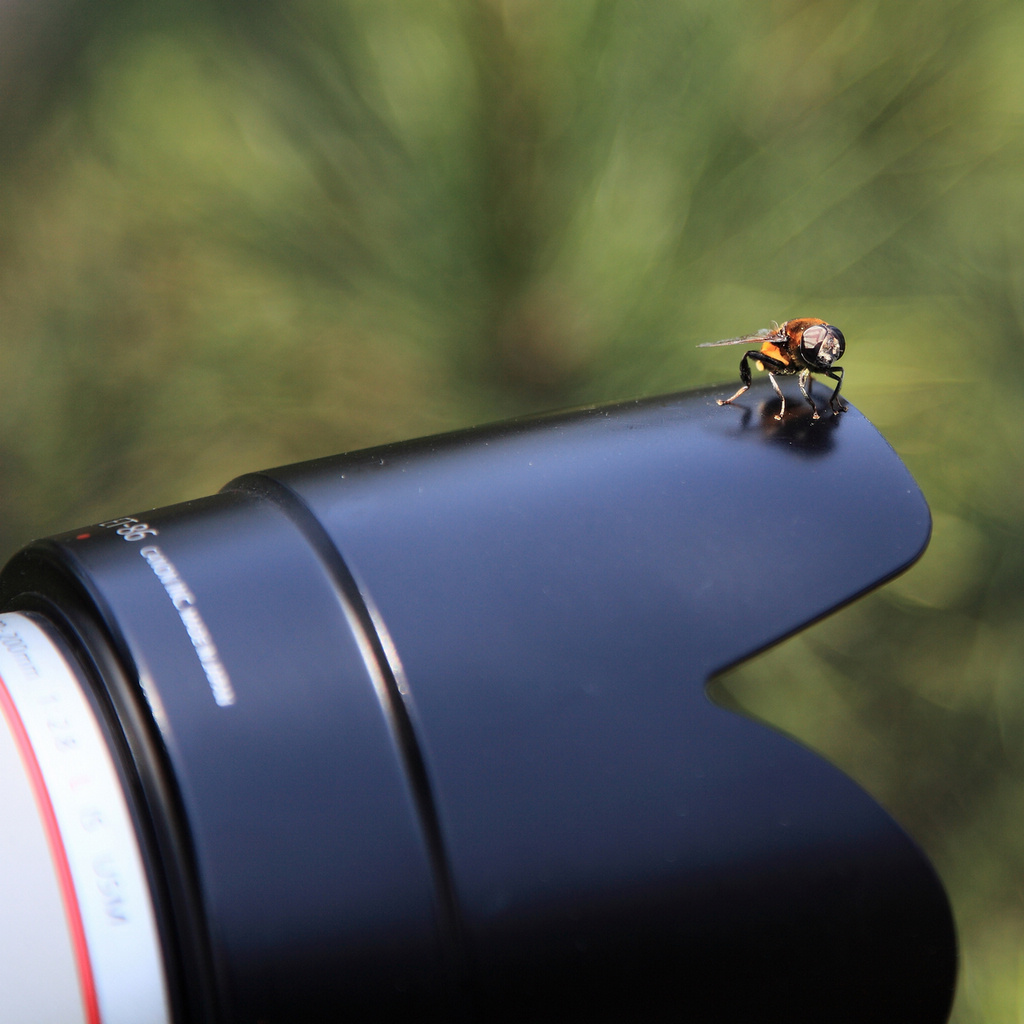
x=421 y=732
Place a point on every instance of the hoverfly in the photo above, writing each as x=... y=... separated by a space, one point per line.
x=800 y=347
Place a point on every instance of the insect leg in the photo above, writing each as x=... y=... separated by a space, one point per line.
x=837 y=404
x=778 y=391
x=772 y=366
x=804 y=380
x=744 y=376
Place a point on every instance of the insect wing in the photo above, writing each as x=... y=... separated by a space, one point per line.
x=762 y=335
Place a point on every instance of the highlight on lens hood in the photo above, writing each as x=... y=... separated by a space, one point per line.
x=421 y=732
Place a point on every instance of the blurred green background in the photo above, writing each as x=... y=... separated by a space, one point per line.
x=239 y=233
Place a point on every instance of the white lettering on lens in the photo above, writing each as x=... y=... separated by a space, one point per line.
x=130 y=528
x=184 y=602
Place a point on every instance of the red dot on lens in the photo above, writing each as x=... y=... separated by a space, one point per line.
x=83 y=536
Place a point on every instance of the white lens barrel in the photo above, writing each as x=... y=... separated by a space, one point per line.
x=78 y=935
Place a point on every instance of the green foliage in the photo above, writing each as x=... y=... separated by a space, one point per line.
x=243 y=233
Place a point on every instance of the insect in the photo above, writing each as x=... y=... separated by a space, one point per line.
x=801 y=347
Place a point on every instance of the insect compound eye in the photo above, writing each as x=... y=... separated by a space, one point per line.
x=822 y=345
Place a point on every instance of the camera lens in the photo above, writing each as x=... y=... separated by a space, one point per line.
x=272 y=787
x=421 y=733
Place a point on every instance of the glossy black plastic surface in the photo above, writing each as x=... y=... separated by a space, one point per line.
x=558 y=592
x=472 y=768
